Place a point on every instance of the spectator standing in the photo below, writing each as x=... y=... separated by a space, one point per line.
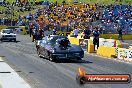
x=75 y=32
x=54 y=31
x=120 y=33
x=87 y=33
x=34 y=34
x=0 y=21
x=96 y=37
x=41 y=34
x=30 y=28
x=3 y=21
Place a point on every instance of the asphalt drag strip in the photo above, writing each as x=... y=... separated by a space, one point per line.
x=60 y=74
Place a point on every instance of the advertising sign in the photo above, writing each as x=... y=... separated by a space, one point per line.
x=84 y=44
x=124 y=53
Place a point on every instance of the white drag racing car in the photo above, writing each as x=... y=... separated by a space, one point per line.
x=7 y=34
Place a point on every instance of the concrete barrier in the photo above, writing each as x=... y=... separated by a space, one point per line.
x=25 y=31
x=74 y=40
x=106 y=51
x=118 y=44
x=130 y=47
x=120 y=53
x=107 y=47
x=90 y=46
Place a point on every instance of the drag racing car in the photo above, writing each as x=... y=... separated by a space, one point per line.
x=56 y=47
x=7 y=34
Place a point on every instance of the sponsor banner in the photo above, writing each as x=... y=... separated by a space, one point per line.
x=102 y=41
x=109 y=42
x=124 y=53
x=104 y=78
x=105 y=42
x=83 y=78
x=84 y=44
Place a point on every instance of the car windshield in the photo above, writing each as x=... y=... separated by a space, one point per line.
x=53 y=39
x=7 y=31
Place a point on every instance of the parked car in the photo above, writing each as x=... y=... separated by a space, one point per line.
x=7 y=34
x=56 y=47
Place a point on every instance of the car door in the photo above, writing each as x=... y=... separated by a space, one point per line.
x=47 y=46
x=43 y=50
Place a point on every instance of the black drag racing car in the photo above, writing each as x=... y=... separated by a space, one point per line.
x=56 y=47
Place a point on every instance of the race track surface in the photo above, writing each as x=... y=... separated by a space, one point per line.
x=41 y=73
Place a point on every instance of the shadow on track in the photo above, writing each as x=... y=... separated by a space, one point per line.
x=73 y=61
x=9 y=41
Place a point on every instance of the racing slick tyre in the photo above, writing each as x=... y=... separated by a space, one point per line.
x=1 y=40
x=51 y=59
x=79 y=58
x=15 y=40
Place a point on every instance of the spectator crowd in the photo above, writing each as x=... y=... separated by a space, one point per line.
x=64 y=17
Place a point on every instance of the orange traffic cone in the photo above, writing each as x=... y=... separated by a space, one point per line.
x=114 y=43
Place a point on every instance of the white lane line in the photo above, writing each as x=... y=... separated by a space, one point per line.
x=10 y=79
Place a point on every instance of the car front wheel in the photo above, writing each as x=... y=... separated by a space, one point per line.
x=79 y=58
x=51 y=58
x=1 y=40
x=38 y=52
x=14 y=40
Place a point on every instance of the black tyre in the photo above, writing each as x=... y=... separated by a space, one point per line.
x=14 y=40
x=79 y=58
x=1 y=40
x=51 y=58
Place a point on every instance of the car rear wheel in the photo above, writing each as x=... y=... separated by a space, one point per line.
x=14 y=40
